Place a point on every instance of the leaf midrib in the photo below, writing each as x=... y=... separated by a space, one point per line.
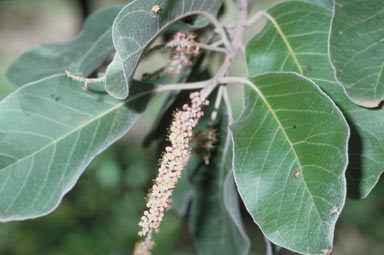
x=57 y=140
x=286 y=42
x=292 y=53
x=253 y=86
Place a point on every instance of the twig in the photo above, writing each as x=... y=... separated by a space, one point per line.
x=236 y=45
x=242 y=47
x=161 y=88
x=217 y=43
x=183 y=86
x=227 y=102
x=240 y=80
x=220 y=30
x=85 y=80
x=219 y=96
x=211 y=47
x=254 y=18
x=206 y=86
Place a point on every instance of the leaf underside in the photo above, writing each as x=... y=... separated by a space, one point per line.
x=357 y=49
x=50 y=130
x=290 y=154
x=305 y=27
x=136 y=26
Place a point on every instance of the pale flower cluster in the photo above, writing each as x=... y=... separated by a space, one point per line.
x=144 y=247
x=172 y=163
x=185 y=47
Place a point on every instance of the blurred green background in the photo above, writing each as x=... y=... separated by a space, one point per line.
x=100 y=215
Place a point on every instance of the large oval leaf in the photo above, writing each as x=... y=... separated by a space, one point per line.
x=137 y=25
x=290 y=154
x=305 y=28
x=50 y=130
x=81 y=56
x=357 y=49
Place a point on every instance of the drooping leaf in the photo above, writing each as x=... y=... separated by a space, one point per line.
x=305 y=28
x=50 y=130
x=137 y=25
x=80 y=56
x=357 y=49
x=215 y=220
x=115 y=77
x=290 y=156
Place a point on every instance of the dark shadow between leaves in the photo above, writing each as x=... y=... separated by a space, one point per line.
x=354 y=170
x=138 y=89
x=143 y=92
x=202 y=178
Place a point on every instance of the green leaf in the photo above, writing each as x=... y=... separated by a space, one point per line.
x=290 y=155
x=327 y=4
x=306 y=28
x=80 y=56
x=115 y=77
x=215 y=220
x=357 y=49
x=136 y=26
x=50 y=130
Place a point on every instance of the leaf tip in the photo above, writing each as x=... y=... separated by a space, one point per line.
x=373 y=103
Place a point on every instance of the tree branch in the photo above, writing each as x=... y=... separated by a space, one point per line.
x=183 y=86
x=211 y=47
x=85 y=80
x=220 y=30
x=236 y=45
x=228 y=106
x=217 y=104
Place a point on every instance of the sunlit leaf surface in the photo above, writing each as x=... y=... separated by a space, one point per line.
x=290 y=156
x=305 y=27
x=357 y=49
x=50 y=130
